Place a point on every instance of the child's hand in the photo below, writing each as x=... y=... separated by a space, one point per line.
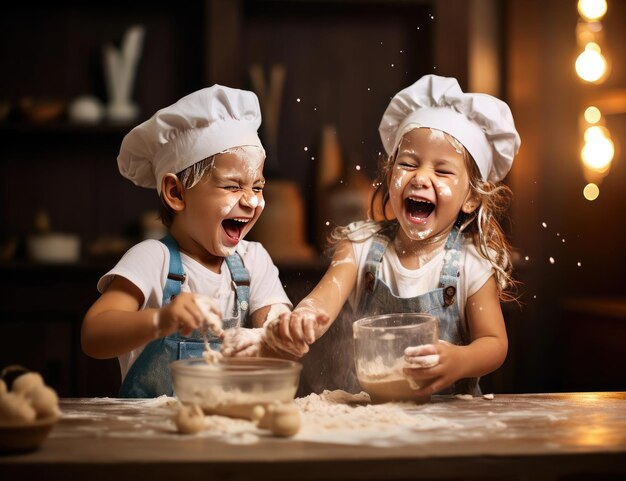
x=187 y=312
x=242 y=341
x=293 y=332
x=433 y=367
x=212 y=321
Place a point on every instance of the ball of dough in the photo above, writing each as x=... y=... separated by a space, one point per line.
x=15 y=409
x=190 y=419
x=44 y=401
x=257 y=413
x=285 y=420
x=26 y=383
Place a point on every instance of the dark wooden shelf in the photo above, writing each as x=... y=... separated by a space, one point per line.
x=65 y=128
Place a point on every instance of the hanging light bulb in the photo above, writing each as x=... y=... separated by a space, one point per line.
x=591 y=191
x=592 y=114
x=592 y=10
x=598 y=151
x=591 y=66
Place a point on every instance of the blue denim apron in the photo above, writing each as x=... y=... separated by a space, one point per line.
x=149 y=376
x=377 y=298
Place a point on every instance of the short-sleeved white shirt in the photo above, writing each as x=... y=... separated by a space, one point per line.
x=146 y=265
x=475 y=270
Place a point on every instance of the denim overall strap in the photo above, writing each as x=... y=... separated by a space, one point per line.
x=241 y=283
x=450 y=272
x=176 y=274
x=373 y=260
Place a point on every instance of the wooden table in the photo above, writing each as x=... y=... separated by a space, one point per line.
x=531 y=436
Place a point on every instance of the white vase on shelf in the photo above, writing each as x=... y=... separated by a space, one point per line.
x=120 y=67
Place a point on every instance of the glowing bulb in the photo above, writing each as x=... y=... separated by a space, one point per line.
x=596 y=132
x=597 y=153
x=592 y=114
x=592 y=10
x=591 y=64
x=591 y=191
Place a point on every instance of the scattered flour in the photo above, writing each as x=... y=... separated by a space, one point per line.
x=335 y=417
x=339 y=417
x=467 y=397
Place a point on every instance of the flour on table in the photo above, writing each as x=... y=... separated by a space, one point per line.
x=339 y=417
x=467 y=397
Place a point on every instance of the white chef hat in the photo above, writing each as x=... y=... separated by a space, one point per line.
x=198 y=126
x=482 y=123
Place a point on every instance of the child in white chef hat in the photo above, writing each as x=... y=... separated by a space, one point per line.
x=438 y=247
x=204 y=158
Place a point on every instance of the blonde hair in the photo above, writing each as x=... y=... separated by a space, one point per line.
x=188 y=178
x=483 y=225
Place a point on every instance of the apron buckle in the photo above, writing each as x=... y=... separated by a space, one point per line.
x=448 y=295
x=370 y=280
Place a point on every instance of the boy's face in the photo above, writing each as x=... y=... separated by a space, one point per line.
x=429 y=184
x=222 y=208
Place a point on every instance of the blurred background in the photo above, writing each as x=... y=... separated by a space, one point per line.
x=76 y=76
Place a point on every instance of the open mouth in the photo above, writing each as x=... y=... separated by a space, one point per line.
x=418 y=210
x=234 y=227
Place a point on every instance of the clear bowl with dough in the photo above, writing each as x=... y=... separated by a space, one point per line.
x=379 y=344
x=234 y=386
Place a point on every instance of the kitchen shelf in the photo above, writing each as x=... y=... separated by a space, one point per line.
x=65 y=128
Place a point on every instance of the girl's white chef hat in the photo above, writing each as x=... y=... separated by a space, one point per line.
x=198 y=126
x=482 y=123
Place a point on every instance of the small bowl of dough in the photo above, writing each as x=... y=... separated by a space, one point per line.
x=235 y=386
x=27 y=413
x=379 y=344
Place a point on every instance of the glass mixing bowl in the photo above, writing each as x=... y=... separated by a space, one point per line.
x=379 y=344
x=234 y=385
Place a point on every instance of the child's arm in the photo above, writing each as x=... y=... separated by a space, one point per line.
x=293 y=332
x=114 y=325
x=484 y=354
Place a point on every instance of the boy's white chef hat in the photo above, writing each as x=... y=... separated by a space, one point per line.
x=482 y=123
x=199 y=125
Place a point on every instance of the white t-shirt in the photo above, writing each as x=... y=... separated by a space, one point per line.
x=147 y=264
x=475 y=270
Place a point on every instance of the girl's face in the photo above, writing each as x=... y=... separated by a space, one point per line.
x=429 y=184
x=222 y=208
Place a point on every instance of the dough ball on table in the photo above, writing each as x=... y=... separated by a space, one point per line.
x=282 y=419
x=190 y=419
x=15 y=409
x=44 y=401
x=26 y=383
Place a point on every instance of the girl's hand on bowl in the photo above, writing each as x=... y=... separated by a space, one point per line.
x=433 y=367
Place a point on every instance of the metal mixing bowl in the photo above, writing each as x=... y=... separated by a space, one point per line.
x=239 y=383
x=379 y=344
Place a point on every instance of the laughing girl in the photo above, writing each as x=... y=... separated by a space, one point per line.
x=436 y=246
